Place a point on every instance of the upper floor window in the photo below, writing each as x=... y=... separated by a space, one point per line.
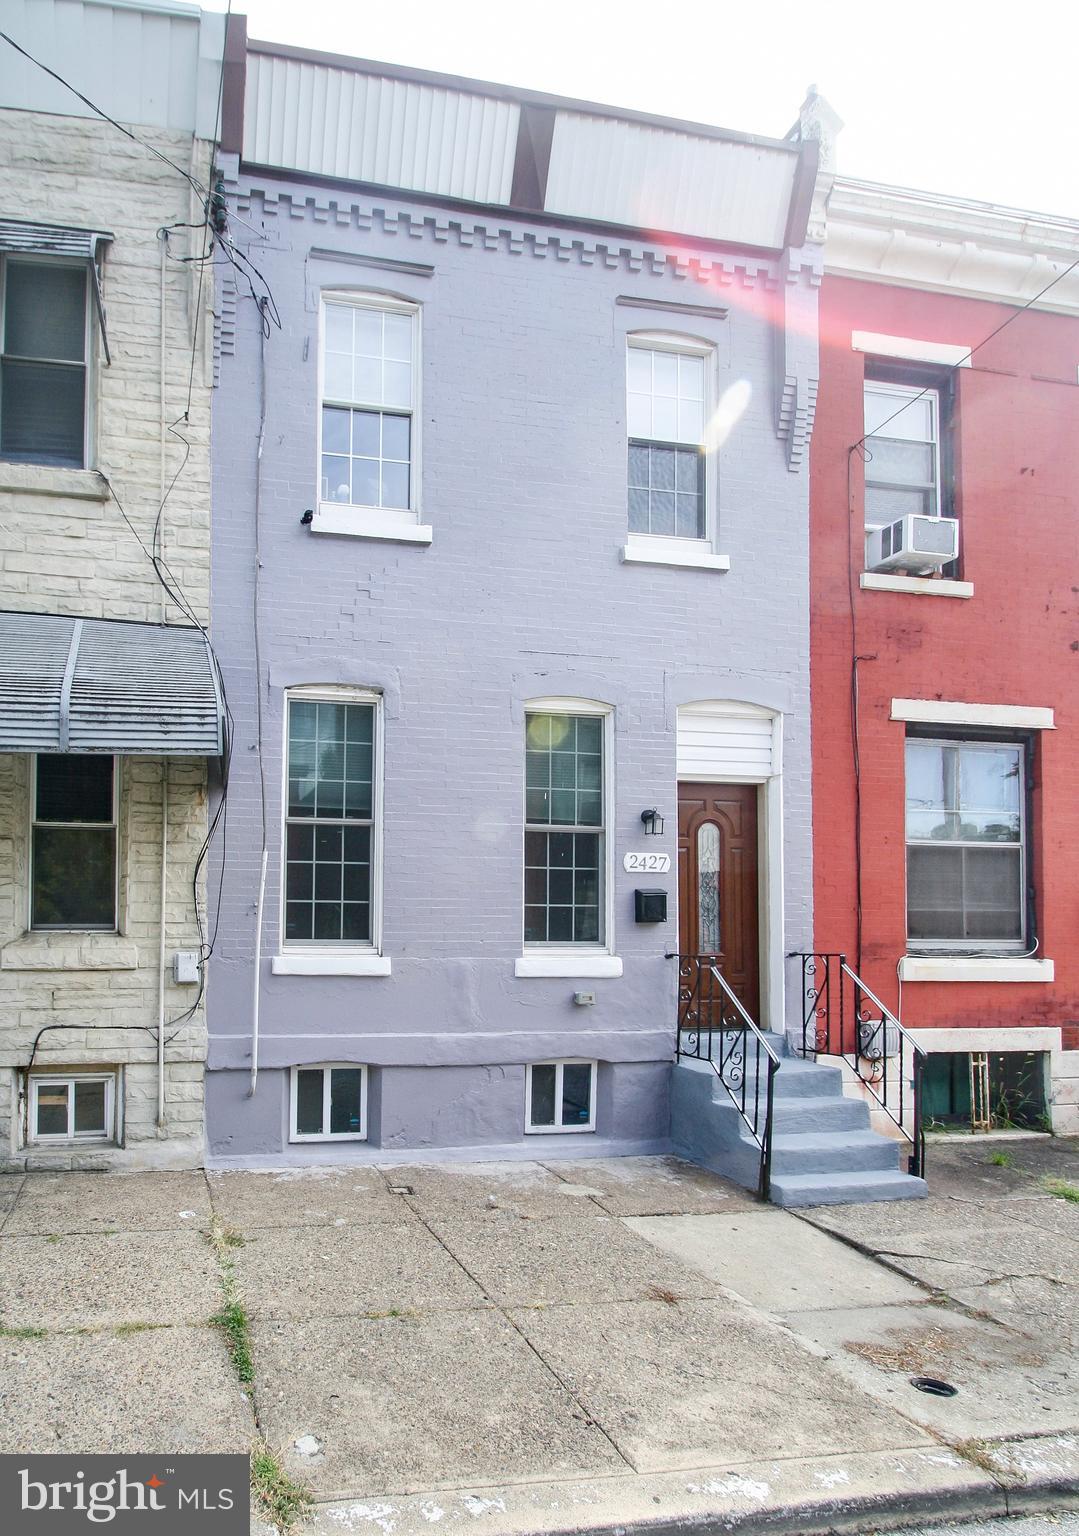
x=43 y=368
x=565 y=822
x=902 y=452
x=330 y=819
x=966 y=844
x=369 y=405
x=73 y=842
x=667 y=389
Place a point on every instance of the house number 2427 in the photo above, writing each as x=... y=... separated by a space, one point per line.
x=647 y=863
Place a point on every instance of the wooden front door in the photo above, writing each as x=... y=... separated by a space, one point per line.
x=717 y=883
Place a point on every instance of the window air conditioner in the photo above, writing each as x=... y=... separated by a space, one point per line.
x=914 y=544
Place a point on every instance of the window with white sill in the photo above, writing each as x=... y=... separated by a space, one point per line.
x=333 y=794
x=667 y=386
x=44 y=356
x=368 y=450
x=967 y=851
x=565 y=829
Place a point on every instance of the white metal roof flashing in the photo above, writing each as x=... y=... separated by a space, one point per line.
x=443 y=136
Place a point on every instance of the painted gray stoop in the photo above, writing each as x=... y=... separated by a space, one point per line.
x=823 y=1150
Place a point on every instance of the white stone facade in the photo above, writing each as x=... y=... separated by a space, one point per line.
x=65 y=548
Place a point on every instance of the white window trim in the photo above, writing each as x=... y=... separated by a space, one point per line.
x=559 y=1064
x=920 y=586
x=976 y=951
x=327 y=955
x=908 y=349
x=974 y=968
x=79 y=1138
x=89 y=348
x=399 y=525
x=569 y=959
x=657 y=548
x=326 y=1067
x=913 y=392
x=1016 y=717
x=74 y=825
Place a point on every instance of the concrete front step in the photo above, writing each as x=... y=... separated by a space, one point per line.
x=838 y=1113
x=797 y=1079
x=794 y=1189
x=833 y=1152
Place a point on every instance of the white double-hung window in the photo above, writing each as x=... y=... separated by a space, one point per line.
x=667 y=387
x=368 y=428
x=902 y=452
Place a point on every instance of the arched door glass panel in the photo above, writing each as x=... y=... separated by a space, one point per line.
x=708 y=934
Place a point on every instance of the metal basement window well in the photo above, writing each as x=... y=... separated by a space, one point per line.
x=73 y=1107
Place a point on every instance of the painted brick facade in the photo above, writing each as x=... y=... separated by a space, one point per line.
x=520 y=595
x=1014 y=641
x=64 y=548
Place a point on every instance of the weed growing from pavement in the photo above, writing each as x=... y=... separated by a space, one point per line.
x=232 y=1320
x=1062 y=1189
x=22 y=1333
x=1002 y=1160
x=125 y=1328
x=977 y=1453
x=280 y=1499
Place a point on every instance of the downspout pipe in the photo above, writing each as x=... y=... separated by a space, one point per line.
x=161 y=956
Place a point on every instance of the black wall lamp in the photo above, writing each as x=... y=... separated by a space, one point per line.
x=653 y=823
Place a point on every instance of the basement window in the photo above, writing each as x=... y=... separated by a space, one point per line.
x=78 y=1106
x=561 y=1096
x=328 y=1103
x=985 y=1091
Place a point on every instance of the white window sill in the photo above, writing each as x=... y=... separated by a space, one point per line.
x=69 y=951
x=51 y=480
x=693 y=554
x=316 y=963
x=923 y=586
x=974 y=968
x=587 y=967
x=559 y=1130
x=365 y=523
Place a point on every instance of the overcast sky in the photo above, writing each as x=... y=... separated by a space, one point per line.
x=959 y=96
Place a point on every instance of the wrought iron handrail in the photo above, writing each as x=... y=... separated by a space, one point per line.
x=844 y=1017
x=709 y=1011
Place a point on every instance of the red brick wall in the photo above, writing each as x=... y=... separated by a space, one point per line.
x=1015 y=642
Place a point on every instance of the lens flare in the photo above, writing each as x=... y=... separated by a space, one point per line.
x=727 y=414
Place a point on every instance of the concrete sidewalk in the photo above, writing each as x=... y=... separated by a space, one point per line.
x=544 y=1347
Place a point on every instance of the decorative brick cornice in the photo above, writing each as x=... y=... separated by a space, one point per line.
x=722 y=269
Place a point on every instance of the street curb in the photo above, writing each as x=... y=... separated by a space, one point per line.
x=868 y=1491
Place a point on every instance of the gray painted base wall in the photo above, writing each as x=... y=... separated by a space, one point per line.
x=424 y=1109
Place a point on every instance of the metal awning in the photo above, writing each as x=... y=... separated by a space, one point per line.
x=105 y=685
x=25 y=239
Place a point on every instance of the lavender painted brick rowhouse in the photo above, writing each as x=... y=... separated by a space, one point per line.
x=529 y=586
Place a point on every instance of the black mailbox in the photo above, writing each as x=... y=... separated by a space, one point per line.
x=650 y=906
